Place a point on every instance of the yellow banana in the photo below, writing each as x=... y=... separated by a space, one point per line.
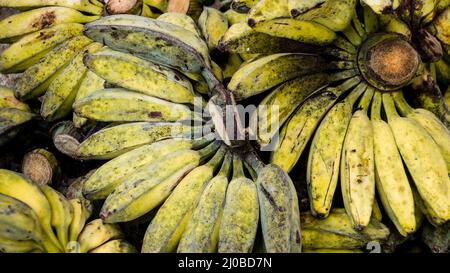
x=115 y=246
x=230 y=67
x=81 y=5
x=180 y=19
x=80 y=216
x=15 y=246
x=239 y=222
x=169 y=223
x=157 y=4
x=10 y=118
x=213 y=25
x=89 y=84
x=242 y=6
x=265 y=10
x=297 y=7
x=8 y=100
x=382 y=6
x=235 y=17
x=96 y=233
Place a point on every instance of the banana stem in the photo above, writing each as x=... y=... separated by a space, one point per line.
x=254 y=161
x=366 y=99
x=216 y=160
x=356 y=93
x=226 y=165
x=403 y=107
x=389 y=106
x=209 y=150
x=375 y=112
x=238 y=170
x=345 y=86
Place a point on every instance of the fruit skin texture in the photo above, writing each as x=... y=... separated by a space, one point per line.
x=213 y=25
x=81 y=5
x=89 y=84
x=96 y=233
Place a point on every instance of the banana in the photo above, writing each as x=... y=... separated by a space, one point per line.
x=325 y=154
x=96 y=233
x=297 y=7
x=213 y=25
x=382 y=6
x=113 y=141
x=267 y=72
x=15 y=246
x=202 y=230
x=370 y=19
x=240 y=38
x=284 y=100
x=37 y=19
x=146 y=11
x=180 y=19
x=265 y=10
x=89 y=84
x=357 y=166
x=336 y=232
x=437 y=130
x=37 y=78
x=152 y=40
x=242 y=6
x=392 y=24
x=333 y=14
x=16 y=186
x=61 y=213
x=423 y=160
x=81 y=5
x=80 y=216
x=103 y=181
x=145 y=77
x=11 y=117
x=239 y=223
x=169 y=223
x=230 y=67
x=391 y=180
x=443 y=72
x=33 y=47
x=8 y=100
x=161 y=5
x=151 y=185
x=423 y=11
x=115 y=246
x=235 y=17
x=61 y=92
x=298 y=30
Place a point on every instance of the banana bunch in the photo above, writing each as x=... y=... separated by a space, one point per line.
x=37 y=218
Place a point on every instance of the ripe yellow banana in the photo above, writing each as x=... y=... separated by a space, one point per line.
x=169 y=223
x=8 y=100
x=357 y=166
x=325 y=154
x=115 y=246
x=145 y=77
x=230 y=67
x=14 y=246
x=267 y=72
x=298 y=30
x=235 y=17
x=391 y=181
x=265 y=10
x=151 y=185
x=32 y=47
x=81 y=5
x=284 y=100
x=213 y=25
x=239 y=223
x=336 y=232
x=96 y=233
x=89 y=84
x=202 y=230
x=61 y=92
x=180 y=19
x=382 y=6
x=423 y=159
x=242 y=6
x=10 y=118
x=297 y=7
x=37 y=19
x=80 y=216
x=37 y=78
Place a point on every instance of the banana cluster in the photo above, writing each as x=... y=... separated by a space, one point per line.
x=37 y=218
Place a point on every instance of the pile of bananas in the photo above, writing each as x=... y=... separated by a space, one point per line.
x=37 y=218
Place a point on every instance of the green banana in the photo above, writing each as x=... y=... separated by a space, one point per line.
x=285 y=99
x=239 y=223
x=96 y=233
x=265 y=10
x=145 y=77
x=181 y=20
x=8 y=100
x=89 y=84
x=443 y=72
x=231 y=65
x=33 y=47
x=81 y=5
x=382 y=6
x=213 y=25
x=37 y=19
x=390 y=176
x=11 y=117
x=37 y=78
x=297 y=7
x=115 y=246
x=267 y=72
x=234 y=17
x=202 y=230
x=166 y=228
x=243 y=6
x=61 y=92
x=357 y=166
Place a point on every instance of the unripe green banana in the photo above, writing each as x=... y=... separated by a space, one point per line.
x=8 y=100
x=180 y=19
x=115 y=246
x=230 y=67
x=357 y=166
x=61 y=92
x=267 y=72
x=160 y=5
x=325 y=154
x=243 y=6
x=240 y=214
x=11 y=118
x=297 y=7
x=443 y=72
x=391 y=23
x=440 y=27
x=81 y=5
x=89 y=84
x=145 y=77
x=298 y=30
x=37 y=19
x=333 y=14
x=96 y=233
x=213 y=25
x=285 y=99
x=391 y=180
x=31 y=48
x=266 y=10
x=235 y=17
x=169 y=223
x=113 y=141
x=202 y=231
x=336 y=232
x=37 y=78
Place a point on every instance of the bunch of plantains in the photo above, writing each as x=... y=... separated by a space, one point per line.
x=147 y=95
